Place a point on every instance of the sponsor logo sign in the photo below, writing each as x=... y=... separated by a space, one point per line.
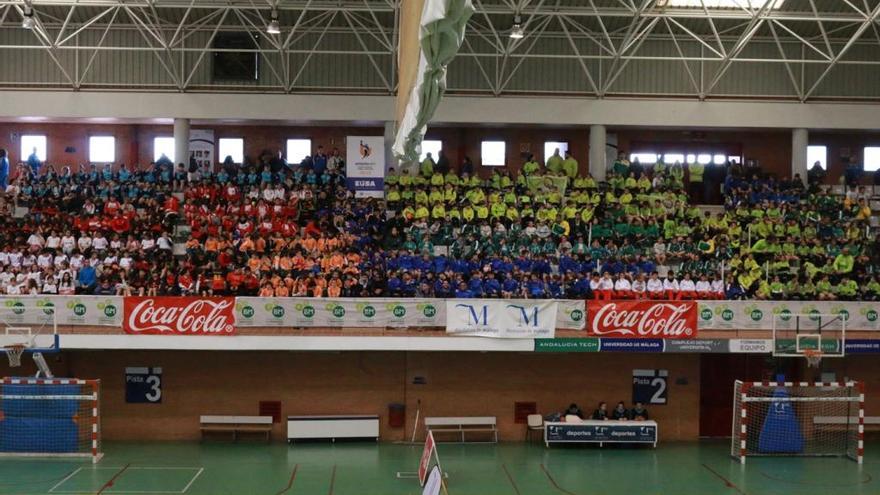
x=179 y=316
x=643 y=319
x=862 y=346
x=609 y=431
x=751 y=346
x=697 y=345
x=567 y=345
x=425 y=461
x=631 y=345
x=501 y=318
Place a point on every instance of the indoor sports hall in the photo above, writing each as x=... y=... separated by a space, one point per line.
x=458 y=247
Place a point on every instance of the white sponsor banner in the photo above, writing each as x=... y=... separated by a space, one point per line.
x=201 y=145
x=759 y=315
x=508 y=318
x=69 y=310
x=571 y=314
x=365 y=165
x=339 y=312
x=751 y=346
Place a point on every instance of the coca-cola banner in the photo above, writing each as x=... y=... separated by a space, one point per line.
x=642 y=319
x=179 y=316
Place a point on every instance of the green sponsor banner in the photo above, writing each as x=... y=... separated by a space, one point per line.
x=567 y=345
x=789 y=346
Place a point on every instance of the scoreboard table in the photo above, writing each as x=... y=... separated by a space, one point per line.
x=601 y=432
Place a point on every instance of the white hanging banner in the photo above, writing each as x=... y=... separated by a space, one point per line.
x=759 y=315
x=365 y=166
x=511 y=318
x=68 y=310
x=201 y=145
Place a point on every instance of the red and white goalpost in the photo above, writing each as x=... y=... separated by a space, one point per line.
x=57 y=417
x=798 y=419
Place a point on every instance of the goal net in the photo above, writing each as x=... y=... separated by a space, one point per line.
x=798 y=419
x=50 y=418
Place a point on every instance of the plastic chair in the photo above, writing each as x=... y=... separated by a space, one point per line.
x=535 y=422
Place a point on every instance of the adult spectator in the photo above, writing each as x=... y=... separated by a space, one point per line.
x=573 y=410
x=442 y=166
x=639 y=413
x=620 y=413
x=4 y=170
x=554 y=163
x=34 y=163
x=570 y=166
x=601 y=412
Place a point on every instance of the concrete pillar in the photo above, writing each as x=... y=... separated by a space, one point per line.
x=181 y=141
x=598 y=160
x=800 y=139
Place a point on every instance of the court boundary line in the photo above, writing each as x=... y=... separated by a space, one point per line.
x=332 y=480
x=71 y=475
x=109 y=482
x=290 y=480
x=198 y=473
x=727 y=482
x=510 y=478
x=553 y=481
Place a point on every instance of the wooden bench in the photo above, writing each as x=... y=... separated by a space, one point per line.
x=236 y=425
x=462 y=425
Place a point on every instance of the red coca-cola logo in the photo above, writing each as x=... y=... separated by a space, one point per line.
x=179 y=315
x=636 y=319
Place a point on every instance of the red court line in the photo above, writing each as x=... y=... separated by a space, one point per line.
x=290 y=481
x=727 y=482
x=110 y=482
x=510 y=478
x=332 y=480
x=554 y=483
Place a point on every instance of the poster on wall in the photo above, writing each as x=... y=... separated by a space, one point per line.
x=143 y=385
x=649 y=386
x=201 y=146
x=365 y=166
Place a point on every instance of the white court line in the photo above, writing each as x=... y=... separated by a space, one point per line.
x=192 y=480
x=71 y=475
x=198 y=470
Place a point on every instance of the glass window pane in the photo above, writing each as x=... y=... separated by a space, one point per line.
x=233 y=147
x=431 y=146
x=102 y=149
x=817 y=154
x=704 y=158
x=734 y=159
x=671 y=158
x=493 y=153
x=719 y=159
x=691 y=158
x=550 y=147
x=872 y=159
x=298 y=150
x=644 y=158
x=163 y=146
x=33 y=143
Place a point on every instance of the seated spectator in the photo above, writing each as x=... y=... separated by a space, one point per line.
x=601 y=412
x=620 y=412
x=639 y=413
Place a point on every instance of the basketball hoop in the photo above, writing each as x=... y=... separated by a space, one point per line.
x=14 y=353
x=814 y=357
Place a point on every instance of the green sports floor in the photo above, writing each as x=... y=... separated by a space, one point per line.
x=217 y=468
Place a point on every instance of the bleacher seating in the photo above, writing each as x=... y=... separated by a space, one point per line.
x=281 y=231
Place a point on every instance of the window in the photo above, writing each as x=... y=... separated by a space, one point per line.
x=672 y=158
x=817 y=154
x=691 y=158
x=29 y=143
x=872 y=158
x=432 y=147
x=493 y=153
x=643 y=158
x=298 y=150
x=550 y=147
x=734 y=159
x=233 y=147
x=719 y=159
x=722 y=4
x=102 y=149
x=704 y=158
x=163 y=146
